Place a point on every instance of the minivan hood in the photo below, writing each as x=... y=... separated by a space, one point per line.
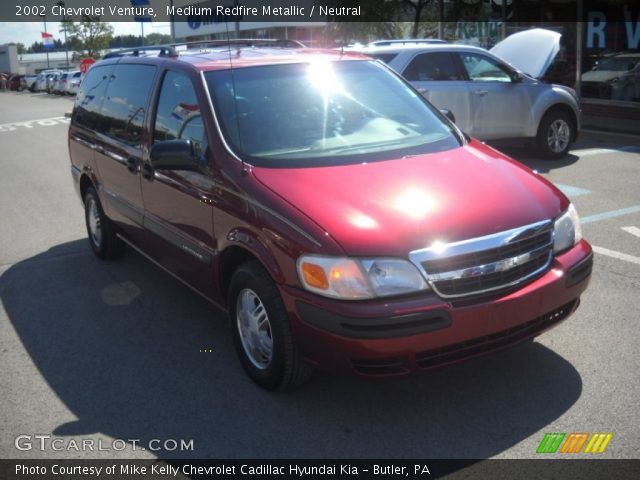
x=397 y=206
x=531 y=51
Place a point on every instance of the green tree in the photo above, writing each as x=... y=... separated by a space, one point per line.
x=20 y=47
x=384 y=18
x=157 y=39
x=89 y=36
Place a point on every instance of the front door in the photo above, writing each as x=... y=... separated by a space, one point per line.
x=439 y=77
x=501 y=107
x=178 y=211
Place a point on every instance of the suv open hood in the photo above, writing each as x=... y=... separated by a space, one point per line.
x=531 y=51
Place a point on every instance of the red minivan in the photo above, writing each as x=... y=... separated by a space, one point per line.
x=341 y=220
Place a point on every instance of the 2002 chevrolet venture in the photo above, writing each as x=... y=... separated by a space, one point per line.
x=340 y=219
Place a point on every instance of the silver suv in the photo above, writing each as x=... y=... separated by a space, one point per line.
x=495 y=95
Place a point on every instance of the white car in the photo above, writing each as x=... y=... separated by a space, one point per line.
x=497 y=94
x=616 y=77
x=73 y=82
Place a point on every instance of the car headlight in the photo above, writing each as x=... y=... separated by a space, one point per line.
x=567 y=231
x=356 y=279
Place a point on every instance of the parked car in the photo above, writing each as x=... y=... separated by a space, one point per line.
x=45 y=79
x=52 y=81
x=496 y=95
x=14 y=82
x=342 y=220
x=41 y=82
x=62 y=84
x=55 y=86
x=28 y=82
x=615 y=78
x=73 y=82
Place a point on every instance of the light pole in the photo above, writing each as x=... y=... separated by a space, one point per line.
x=44 y=16
x=64 y=29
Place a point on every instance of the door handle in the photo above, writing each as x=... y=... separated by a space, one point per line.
x=482 y=93
x=132 y=164
x=147 y=171
x=423 y=91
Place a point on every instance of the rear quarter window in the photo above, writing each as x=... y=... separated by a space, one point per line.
x=125 y=104
x=86 y=111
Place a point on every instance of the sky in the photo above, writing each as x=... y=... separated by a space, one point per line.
x=29 y=32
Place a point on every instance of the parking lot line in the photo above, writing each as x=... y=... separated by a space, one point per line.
x=586 y=152
x=618 y=255
x=611 y=214
x=632 y=230
x=571 y=191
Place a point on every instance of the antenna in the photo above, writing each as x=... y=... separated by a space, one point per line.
x=243 y=172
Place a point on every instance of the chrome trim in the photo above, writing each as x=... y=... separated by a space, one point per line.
x=480 y=244
x=84 y=142
x=114 y=156
x=495 y=267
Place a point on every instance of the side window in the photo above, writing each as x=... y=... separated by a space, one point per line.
x=433 y=66
x=178 y=115
x=484 y=69
x=87 y=105
x=125 y=104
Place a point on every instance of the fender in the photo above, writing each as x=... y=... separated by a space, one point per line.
x=551 y=96
x=247 y=239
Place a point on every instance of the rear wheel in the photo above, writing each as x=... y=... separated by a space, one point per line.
x=102 y=237
x=555 y=134
x=261 y=330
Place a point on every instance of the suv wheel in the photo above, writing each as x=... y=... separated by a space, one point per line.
x=261 y=331
x=102 y=238
x=555 y=134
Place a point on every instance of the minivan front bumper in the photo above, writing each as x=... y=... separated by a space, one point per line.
x=404 y=335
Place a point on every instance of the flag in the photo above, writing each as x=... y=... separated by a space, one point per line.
x=47 y=39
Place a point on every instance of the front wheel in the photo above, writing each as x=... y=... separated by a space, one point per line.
x=555 y=134
x=261 y=330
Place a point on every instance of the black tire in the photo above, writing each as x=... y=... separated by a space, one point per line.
x=102 y=237
x=555 y=134
x=285 y=368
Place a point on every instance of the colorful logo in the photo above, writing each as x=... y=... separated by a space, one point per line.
x=573 y=443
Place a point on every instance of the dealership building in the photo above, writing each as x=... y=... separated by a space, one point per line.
x=599 y=56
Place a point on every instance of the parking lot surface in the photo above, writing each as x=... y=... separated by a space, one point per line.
x=104 y=351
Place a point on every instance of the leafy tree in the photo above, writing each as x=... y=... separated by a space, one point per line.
x=125 y=41
x=157 y=39
x=89 y=36
x=20 y=47
x=36 y=47
x=385 y=19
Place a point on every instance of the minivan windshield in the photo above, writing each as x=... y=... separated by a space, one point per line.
x=324 y=112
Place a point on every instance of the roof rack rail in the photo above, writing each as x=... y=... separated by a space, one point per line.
x=173 y=49
x=404 y=41
x=165 y=51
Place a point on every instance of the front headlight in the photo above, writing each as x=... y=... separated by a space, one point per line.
x=567 y=231
x=356 y=279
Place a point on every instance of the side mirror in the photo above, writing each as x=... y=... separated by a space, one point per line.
x=516 y=77
x=173 y=155
x=449 y=114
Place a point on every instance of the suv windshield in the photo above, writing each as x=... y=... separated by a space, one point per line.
x=324 y=112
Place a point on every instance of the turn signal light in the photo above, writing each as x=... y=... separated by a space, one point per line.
x=314 y=276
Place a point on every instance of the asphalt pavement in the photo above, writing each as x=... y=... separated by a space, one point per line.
x=124 y=356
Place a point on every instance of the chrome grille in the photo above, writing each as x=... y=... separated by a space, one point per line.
x=487 y=264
